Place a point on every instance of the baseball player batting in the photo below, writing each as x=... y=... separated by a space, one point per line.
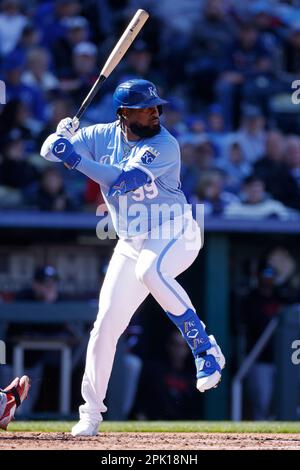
x=136 y=160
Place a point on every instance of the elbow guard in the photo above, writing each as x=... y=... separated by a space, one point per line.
x=128 y=181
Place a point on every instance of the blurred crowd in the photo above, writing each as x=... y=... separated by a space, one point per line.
x=226 y=67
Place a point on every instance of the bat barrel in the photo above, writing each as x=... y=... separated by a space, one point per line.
x=125 y=41
x=116 y=55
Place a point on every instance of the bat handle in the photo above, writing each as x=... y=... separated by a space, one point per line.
x=90 y=96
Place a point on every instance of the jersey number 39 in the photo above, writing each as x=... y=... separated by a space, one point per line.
x=149 y=191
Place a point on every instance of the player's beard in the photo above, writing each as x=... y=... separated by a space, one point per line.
x=144 y=131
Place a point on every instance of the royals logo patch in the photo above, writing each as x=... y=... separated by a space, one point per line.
x=149 y=156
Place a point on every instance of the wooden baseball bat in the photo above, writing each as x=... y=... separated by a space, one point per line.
x=116 y=55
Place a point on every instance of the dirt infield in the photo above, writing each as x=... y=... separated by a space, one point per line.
x=149 y=441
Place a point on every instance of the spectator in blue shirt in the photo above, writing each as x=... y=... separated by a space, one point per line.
x=15 y=89
x=244 y=57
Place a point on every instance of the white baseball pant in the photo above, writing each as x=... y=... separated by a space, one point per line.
x=138 y=267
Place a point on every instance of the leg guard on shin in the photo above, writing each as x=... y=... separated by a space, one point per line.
x=193 y=330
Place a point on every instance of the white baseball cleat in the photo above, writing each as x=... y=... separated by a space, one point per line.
x=85 y=427
x=209 y=367
x=215 y=350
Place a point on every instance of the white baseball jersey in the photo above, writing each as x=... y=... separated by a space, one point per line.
x=158 y=157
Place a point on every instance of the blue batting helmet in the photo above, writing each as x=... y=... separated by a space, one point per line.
x=136 y=94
